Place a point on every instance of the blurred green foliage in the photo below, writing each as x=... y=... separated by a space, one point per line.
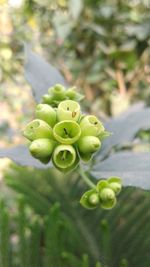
x=44 y=225
x=101 y=46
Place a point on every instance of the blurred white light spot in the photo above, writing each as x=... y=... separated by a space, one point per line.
x=15 y=3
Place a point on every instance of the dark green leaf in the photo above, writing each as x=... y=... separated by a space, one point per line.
x=20 y=154
x=40 y=74
x=124 y=128
x=133 y=168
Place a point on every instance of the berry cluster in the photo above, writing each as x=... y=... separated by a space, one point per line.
x=61 y=132
x=103 y=195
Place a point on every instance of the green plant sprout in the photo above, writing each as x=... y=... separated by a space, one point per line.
x=62 y=134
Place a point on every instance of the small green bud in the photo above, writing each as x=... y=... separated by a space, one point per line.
x=71 y=93
x=88 y=144
x=101 y=185
x=37 y=129
x=115 y=184
x=79 y=97
x=94 y=199
x=64 y=156
x=57 y=92
x=47 y=99
x=104 y=134
x=90 y=199
x=116 y=187
x=46 y=113
x=42 y=148
x=68 y=110
x=107 y=194
x=107 y=198
x=91 y=126
x=66 y=132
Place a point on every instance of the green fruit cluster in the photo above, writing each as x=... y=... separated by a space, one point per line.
x=61 y=132
x=103 y=195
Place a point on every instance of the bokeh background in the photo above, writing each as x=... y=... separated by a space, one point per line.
x=102 y=47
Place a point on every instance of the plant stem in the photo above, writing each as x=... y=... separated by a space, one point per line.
x=121 y=82
x=85 y=177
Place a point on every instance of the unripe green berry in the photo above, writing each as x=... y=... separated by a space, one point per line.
x=47 y=99
x=94 y=199
x=68 y=110
x=37 y=129
x=57 y=92
x=107 y=198
x=64 y=156
x=107 y=194
x=115 y=184
x=88 y=144
x=46 y=113
x=90 y=199
x=116 y=187
x=108 y=205
x=91 y=126
x=66 y=132
x=71 y=93
x=42 y=148
x=101 y=185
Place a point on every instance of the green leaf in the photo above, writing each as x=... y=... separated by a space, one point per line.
x=20 y=154
x=40 y=74
x=133 y=168
x=124 y=128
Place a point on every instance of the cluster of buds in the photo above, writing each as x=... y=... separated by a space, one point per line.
x=61 y=133
x=103 y=195
x=58 y=93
